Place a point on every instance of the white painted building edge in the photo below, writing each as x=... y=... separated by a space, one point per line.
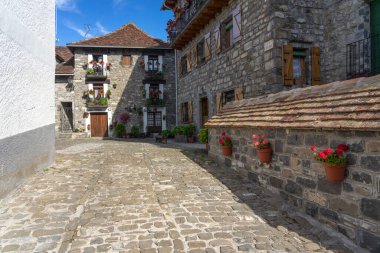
x=27 y=73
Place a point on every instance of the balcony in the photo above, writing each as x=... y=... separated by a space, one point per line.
x=101 y=103
x=154 y=75
x=191 y=20
x=97 y=72
x=363 y=57
x=155 y=102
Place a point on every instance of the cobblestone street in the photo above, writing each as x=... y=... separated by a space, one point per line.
x=114 y=196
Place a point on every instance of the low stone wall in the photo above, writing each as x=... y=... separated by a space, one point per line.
x=351 y=207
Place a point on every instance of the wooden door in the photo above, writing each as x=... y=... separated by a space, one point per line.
x=375 y=36
x=99 y=124
x=204 y=108
x=154 y=122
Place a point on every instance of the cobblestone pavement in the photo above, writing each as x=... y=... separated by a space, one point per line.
x=113 y=196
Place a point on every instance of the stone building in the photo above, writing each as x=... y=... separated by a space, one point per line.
x=27 y=141
x=229 y=50
x=64 y=90
x=123 y=72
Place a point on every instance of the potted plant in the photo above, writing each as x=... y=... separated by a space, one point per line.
x=333 y=162
x=120 y=130
x=108 y=94
x=203 y=137
x=135 y=131
x=178 y=132
x=189 y=130
x=226 y=144
x=165 y=134
x=263 y=147
x=90 y=72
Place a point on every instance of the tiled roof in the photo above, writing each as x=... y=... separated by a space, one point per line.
x=128 y=35
x=66 y=56
x=347 y=105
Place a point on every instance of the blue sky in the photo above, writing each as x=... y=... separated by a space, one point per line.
x=78 y=19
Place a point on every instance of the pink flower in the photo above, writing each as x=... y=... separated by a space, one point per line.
x=228 y=138
x=263 y=136
x=220 y=141
x=322 y=155
x=342 y=147
x=255 y=136
x=265 y=142
x=328 y=151
x=223 y=134
x=339 y=152
x=256 y=143
x=313 y=148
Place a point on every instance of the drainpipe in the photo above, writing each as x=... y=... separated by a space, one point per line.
x=176 y=87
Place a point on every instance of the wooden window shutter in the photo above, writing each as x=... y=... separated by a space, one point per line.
x=181 y=112
x=287 y=65
x=315 y=66
x=218 y=102
x=195 y=55
x=190 y=105
x=179 y=66
x=126 y=60
x=188 y=61
x=217 y=39
x=239 y=93
x=208 y=46
x=237 y=28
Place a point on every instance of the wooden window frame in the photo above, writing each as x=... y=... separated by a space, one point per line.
x=126 y=60
x=227 y=34
x=201 y=52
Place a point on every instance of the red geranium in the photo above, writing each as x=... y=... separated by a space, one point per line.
x=260 y=142
x=329 y=156
x=225 y=140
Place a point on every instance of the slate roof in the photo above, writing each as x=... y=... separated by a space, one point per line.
x=67 y=60
x=347 y=105
x=129 y=35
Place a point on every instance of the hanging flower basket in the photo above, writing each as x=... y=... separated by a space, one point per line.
x=264 y=150
x=335 y=173
x=333 y=162
x=226 y=144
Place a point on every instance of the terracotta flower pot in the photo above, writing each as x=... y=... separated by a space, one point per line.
x=226 y=150
x=265 y=155
x=335 y=173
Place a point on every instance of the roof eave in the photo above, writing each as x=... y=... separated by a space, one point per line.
x=119 y=47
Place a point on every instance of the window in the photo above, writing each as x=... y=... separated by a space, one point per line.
x=153 y=63
x=295 y=63
x=126 y=60
x=185 y=112
x=201 y=52
x=98 y=90
x=97 y=58
x=184 y=65
x=227 y=34
x=154 y=91
x=228 y=96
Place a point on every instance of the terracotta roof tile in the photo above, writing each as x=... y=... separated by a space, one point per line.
x=128 y=35
x=66 y=56
x=349 y=105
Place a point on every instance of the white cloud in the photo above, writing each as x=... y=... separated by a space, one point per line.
x=66 y=5
x=81 y=32
x=101 y=28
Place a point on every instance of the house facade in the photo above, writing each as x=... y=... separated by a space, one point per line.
x=126 y=75
x=229 y=50
x=27 y=141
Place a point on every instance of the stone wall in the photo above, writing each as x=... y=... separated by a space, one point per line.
x=351 y=207
x=64 y=92
x=128 y=94
x=255 y=63
x=27 y=38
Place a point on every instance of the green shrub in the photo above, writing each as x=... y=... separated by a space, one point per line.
x=135 y=130
x=120 y=129
x=189 y=130
x=203 y=135
x=90 y=72
x=177 y=130
x=165 y=133
x=103 y=101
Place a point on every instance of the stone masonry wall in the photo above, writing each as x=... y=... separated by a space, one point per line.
x=255 y=63
x=351 y=207
x=129 y=91
x=63 y=93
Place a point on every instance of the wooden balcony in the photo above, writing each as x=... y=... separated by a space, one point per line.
x=194 y=19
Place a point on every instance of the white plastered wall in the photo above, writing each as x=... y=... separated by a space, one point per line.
x=27 y=39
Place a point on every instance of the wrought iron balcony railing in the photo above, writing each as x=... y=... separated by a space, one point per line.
x=363 y=57
x=155 y=102
x=96 y=72
x=97 y=103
